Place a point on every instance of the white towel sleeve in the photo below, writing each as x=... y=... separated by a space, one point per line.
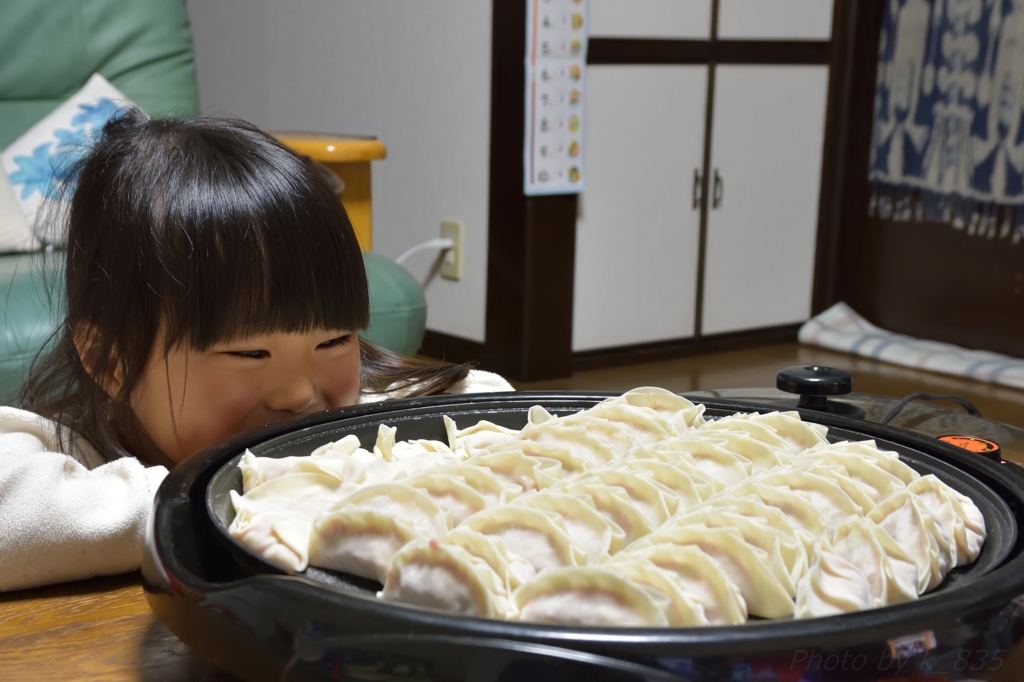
x=60 y=521
x=477 y=381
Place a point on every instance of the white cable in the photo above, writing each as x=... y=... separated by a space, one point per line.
x=442 y=243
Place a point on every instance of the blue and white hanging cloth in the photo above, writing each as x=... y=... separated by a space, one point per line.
x=947 y=143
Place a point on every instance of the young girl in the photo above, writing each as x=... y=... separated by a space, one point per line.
x=213 y=285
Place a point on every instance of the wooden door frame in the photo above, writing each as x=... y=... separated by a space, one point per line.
x=845 y=189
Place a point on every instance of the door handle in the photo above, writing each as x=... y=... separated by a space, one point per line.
x=698 y=187
x=719 y=190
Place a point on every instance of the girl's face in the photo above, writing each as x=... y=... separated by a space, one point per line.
x=191 y=399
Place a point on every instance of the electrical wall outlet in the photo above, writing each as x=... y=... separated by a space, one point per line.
x=451 y=259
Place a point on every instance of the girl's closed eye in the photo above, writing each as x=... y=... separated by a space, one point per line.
x=336 y=341
x=250 y=354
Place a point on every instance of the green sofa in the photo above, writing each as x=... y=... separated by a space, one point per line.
x=144 y=48
x=52 y=47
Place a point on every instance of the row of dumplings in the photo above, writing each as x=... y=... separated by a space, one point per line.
x=634 y=512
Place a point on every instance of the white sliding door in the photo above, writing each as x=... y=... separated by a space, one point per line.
x=766 y=148
x=637 y=232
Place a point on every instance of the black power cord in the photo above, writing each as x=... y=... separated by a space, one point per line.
x=921 y=395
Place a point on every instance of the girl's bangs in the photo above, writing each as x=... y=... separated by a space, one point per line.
x=278 y=255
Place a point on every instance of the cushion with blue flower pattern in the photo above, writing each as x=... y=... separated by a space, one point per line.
x=37 y=163
x=15 y=235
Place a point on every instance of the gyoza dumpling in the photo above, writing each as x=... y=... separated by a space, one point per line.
x=787 y=557
x=858 y=467
x=745 y=565
x=275 y=518
x=345 y=469
x=643 y=425
x=702 y=577
x=739 y=422
x=446 y=577
x=655 y=501
x=886 y=459
x=798 y=434
x=345 y=446
x=674 y=408
x=279 y=536
x=824 y=493
x=589 y=596
x=797 y=508
x=403 y=502
x=496 y=491
x=914 y=529
x=762 y=456
x=617 y=439
x=539 y=537
x=385 y=444
x=832 y=586
x=613 y=503
x=974 y=524
x=256 y=470
x=890 y=572
x=581 y=444
x=377 y=470
x=305 y=493
x=408 y=448
x=684 y=610
x=259 y=470
x=587 y=528
x=481 y=435
x=718 y=463
x=513 y=569
x=684 y=462
x=861 y=494
x=957 y=514
x=451 y=494
x=538 y=415
x=756 y=508
x=515 y=468
x=358 y=541
x=415 y=457
x=571 y=463
x=690 y=489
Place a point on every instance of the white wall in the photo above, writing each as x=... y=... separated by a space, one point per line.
x=415 y=74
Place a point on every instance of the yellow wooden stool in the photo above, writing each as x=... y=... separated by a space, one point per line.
x=349 y=158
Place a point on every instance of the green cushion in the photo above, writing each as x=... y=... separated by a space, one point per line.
x=51 y=47
x=398 y=308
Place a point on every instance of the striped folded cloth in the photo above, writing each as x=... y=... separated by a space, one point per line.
x=840 y=328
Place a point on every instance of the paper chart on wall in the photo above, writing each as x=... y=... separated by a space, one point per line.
x=556 y=57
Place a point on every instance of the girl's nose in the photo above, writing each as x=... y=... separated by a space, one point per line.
x=298 y=394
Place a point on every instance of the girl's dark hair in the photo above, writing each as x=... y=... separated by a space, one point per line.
x=204 y=229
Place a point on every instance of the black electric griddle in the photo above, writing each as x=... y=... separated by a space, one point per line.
x=255 y=620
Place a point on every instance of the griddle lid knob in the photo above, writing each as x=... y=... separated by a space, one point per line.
x=814 y=384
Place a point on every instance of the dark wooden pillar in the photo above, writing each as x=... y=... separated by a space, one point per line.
x=845 y=190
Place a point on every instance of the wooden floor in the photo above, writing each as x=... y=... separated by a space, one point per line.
x=756 y=368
